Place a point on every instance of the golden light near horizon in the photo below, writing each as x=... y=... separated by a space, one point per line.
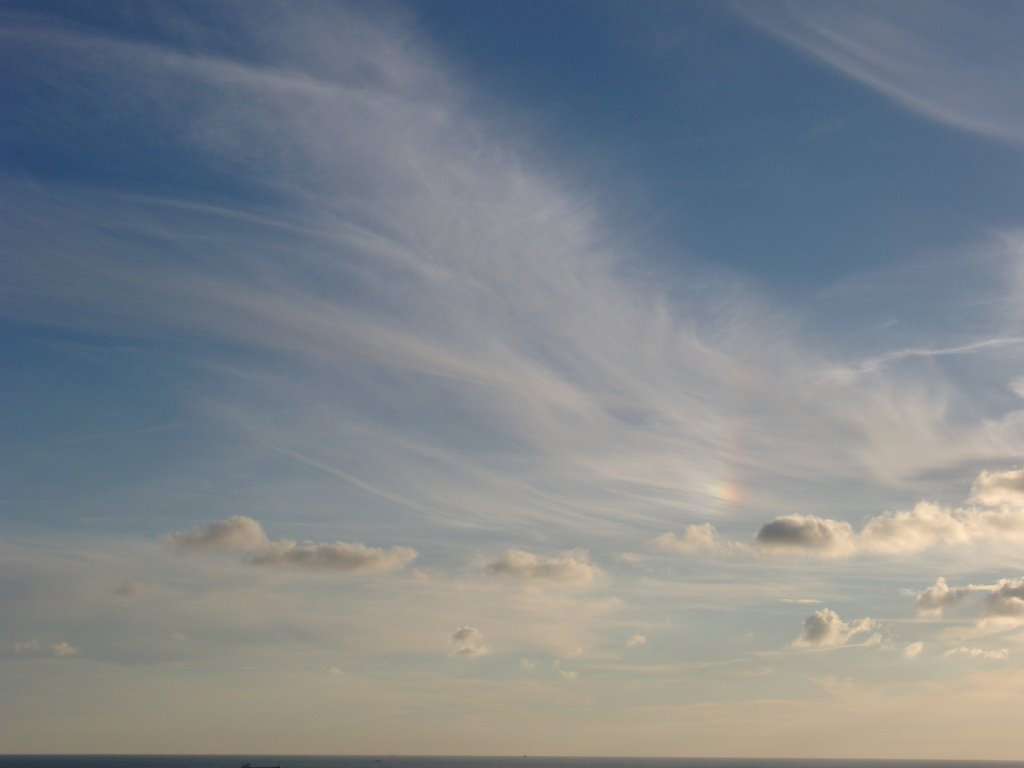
x=472 y=378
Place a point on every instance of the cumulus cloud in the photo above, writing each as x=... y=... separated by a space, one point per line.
x=940 y=596
x=636 y=641
x=570 y=568
x=339 y=556
x=994 y=489
x=244 y=534
x=333 y=671
x=467 y=642
x=1003 y=606
x=56 y=649
x=913 y=650
x=978 y=653
x=926 y=525
x=568 y=674
x=527 y=664
x=824 y=629
x=1006 y=598
x=807 y=534
x=237 y=533
x=696 y=539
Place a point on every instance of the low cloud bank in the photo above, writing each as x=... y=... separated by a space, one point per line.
x=243 y=534
x=998 y=514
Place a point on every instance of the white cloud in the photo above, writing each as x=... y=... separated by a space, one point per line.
x=977 y=653
x=994 y=489
x=568 y=674
x=468 y=643
x=338 y=556
x=1006 y=598
x=569 y=568
x=55 y=649
x=62 y=649
x=806 y=534
x=244 y=534
x=824 y=629
x=925 y=526
x=696 y=539
x=636 y=641
x=237 y=533
x=923 y=56
x=940 y=596
x=527 y=664
x=333 y=671
x=913 y=650
x=457 y=265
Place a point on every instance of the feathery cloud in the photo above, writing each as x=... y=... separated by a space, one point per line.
x=920 y=56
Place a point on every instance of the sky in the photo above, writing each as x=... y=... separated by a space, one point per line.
x=496 y=378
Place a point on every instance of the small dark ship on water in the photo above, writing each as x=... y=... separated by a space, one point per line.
x=250 y=765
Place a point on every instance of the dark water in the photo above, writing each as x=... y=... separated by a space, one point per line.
x=349 y=761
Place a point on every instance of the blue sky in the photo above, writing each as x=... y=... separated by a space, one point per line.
x=485 y=378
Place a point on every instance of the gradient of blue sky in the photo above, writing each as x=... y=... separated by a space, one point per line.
x=496 y=378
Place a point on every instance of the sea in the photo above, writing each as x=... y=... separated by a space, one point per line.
x=391 y=761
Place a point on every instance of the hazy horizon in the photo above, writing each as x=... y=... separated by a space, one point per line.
x=449 y=377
